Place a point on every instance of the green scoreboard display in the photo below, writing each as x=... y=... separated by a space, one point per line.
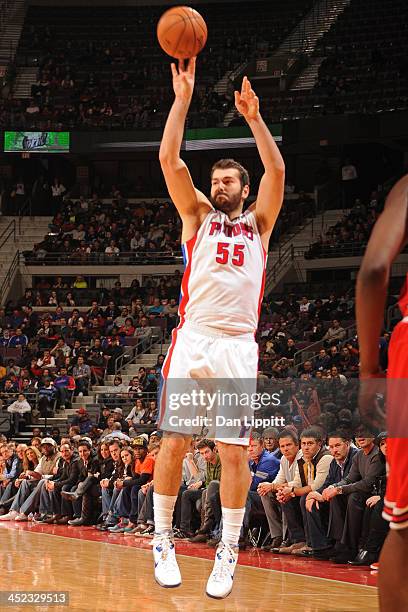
x=36 y=142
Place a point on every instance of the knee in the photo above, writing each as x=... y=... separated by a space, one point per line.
x=234 y=454
x=174 y=446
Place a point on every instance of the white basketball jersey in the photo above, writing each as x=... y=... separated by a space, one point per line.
x=224 y=279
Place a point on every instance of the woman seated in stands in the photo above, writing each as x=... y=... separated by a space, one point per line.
x=128 y=329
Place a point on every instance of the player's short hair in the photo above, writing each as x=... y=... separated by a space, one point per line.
x=223 y=164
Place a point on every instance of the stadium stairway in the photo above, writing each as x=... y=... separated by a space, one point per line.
x=90 y=401
x=280 y=259
x=31 y=231
x=25 y=79
x=304 y=37
x=144 y=360
x=308 y=77
x=11 y=32
x=319 y=20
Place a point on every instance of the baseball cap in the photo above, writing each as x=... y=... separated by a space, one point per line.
x=81 y=411
x=48 y=441
x=140 y=441
x=159 y=434
x=118 y=410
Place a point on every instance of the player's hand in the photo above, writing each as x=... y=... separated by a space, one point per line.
x=183 y=79
x=246 y=101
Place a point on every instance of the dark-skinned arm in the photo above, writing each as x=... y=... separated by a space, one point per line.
x=387 y=240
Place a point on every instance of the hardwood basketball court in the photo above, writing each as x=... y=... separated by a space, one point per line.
x=111 y=572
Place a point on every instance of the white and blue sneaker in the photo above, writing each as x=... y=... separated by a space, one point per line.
x=220 y=582
x=166 y=569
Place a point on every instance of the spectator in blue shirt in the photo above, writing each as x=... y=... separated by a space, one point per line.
x=19 y=339
x=16 y=319
x=156 y=309
x=263 y=466
x=46 y=397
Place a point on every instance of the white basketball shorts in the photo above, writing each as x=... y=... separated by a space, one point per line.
x=208 y=380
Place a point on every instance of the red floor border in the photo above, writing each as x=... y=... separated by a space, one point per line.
x=251 y=558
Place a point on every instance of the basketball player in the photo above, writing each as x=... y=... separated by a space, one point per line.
x=225 y=256
x=389 y=237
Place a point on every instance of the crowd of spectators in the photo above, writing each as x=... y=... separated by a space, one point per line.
x=365 y=59
x=111 y=230
x=312 y=494
x=99 y=231
x=349 y=236
x=94 y=77
x=52 y=351
x=364 y=67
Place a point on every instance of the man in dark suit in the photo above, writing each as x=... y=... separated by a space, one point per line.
x=317 y=516
x=85 y=507
x=65 y=480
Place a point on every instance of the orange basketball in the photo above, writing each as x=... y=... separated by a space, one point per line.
x=182 y=32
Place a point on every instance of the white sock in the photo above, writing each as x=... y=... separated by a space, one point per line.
x=163 y=511
x=232 y=519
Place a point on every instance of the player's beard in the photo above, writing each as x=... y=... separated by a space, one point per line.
x=229 y=203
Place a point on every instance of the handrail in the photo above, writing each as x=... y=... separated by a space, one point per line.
x=33 y=258
x=8 y=279
x=26 y=208
x=309 y=347
x=121 y=362
x=8 y=231
x=283 y=259
x=318 y=345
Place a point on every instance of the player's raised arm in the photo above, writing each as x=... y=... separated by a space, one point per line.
x=271 y=188
x=387 y=240
x=189 y=201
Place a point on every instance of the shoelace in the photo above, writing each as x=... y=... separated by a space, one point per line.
x=225 y=559
x=166 y=544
